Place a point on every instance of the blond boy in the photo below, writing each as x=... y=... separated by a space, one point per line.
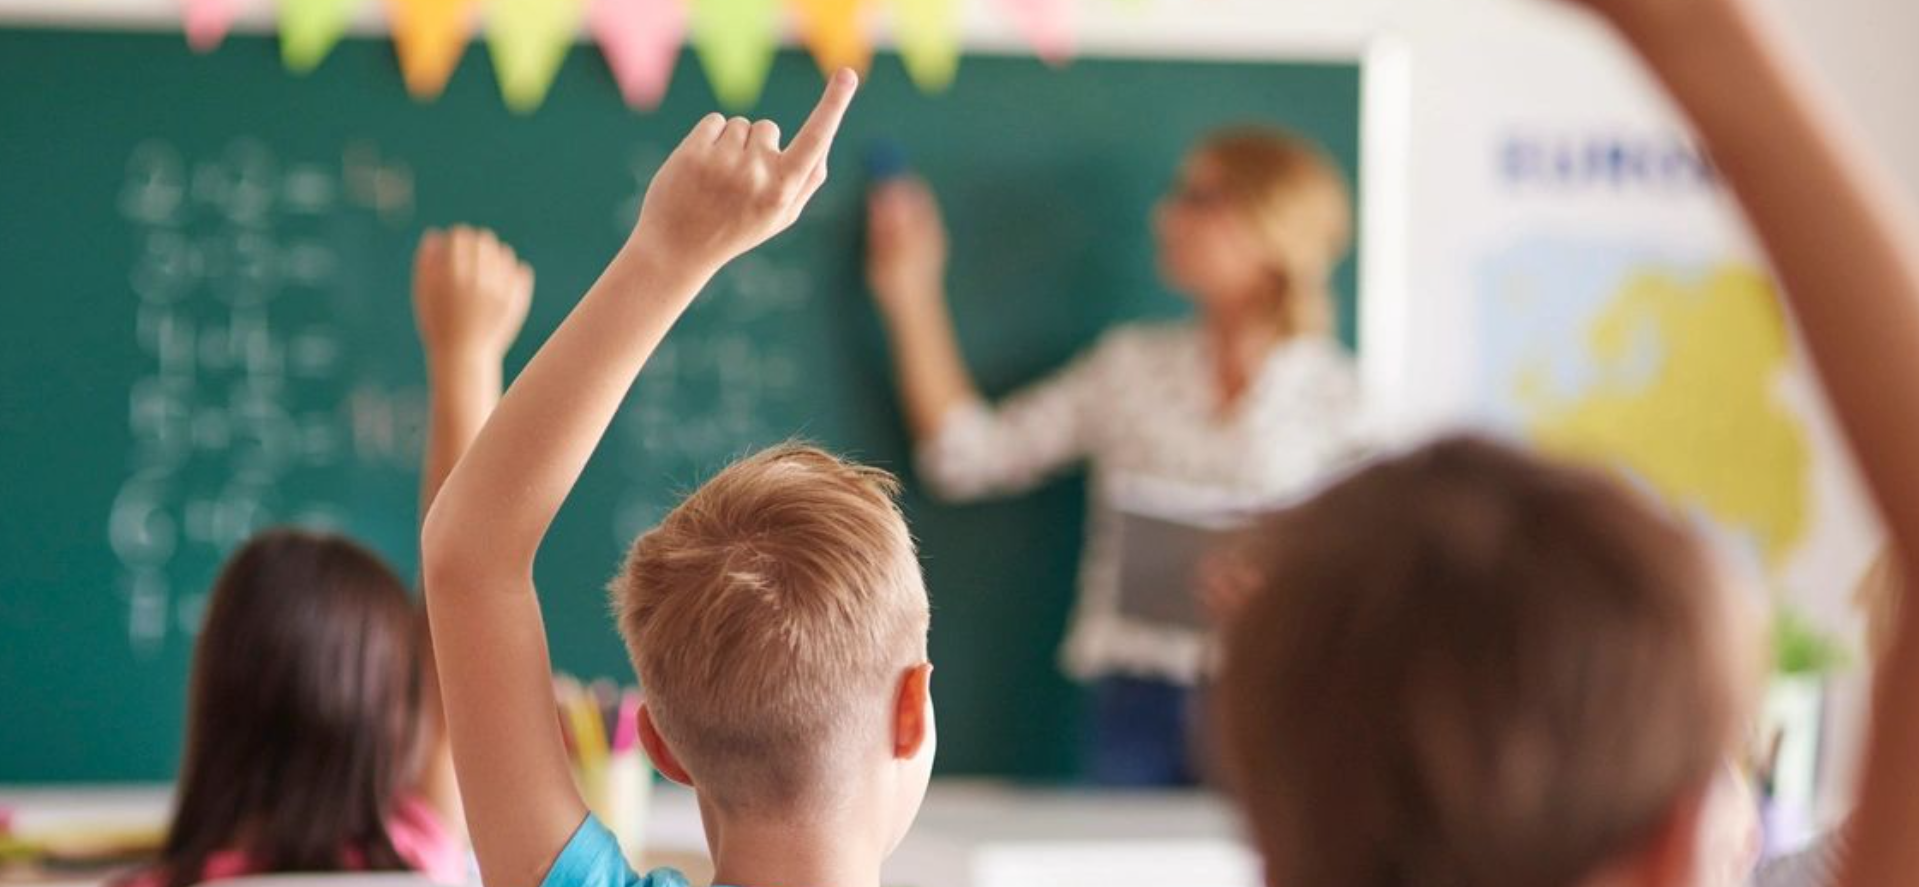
x=777 y=617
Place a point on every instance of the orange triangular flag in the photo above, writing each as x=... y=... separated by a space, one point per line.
x=835 y=32
x=430 y=36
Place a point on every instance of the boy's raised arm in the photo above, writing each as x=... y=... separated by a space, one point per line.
x=1847 y=252
x=727 y=188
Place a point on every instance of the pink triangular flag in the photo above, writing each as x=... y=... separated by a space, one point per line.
x=641 y=41
x=1046 y=24
x=208 y=21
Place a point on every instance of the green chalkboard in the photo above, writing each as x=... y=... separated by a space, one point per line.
x=204 y=327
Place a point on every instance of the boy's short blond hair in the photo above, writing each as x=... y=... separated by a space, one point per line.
x=770 y=617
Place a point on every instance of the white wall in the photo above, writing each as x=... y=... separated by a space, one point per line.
x=1866 y=48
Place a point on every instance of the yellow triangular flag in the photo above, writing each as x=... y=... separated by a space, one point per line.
x=310 y=28
x=835 y=32
x=430 y=36
x=528 y=40
x=928 y=34
x=736 y=40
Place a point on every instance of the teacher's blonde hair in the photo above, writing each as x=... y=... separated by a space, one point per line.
x=1300 y=208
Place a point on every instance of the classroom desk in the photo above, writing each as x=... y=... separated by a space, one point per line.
x=969 y=834
x=984 y=834
x=78 y=812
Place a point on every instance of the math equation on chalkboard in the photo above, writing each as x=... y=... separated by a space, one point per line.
x=244 y=389
x=277 y=382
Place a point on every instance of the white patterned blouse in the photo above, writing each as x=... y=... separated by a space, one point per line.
x=1140 y=409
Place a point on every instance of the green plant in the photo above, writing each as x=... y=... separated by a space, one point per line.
x=1801 y=649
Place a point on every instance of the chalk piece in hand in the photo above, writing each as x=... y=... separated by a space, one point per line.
x=885 y=160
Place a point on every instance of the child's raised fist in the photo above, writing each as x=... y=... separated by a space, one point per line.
x=470 y=293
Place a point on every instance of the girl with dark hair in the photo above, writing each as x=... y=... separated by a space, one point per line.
x=315 y=739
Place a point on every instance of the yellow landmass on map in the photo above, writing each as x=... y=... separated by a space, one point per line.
x=1697 y=417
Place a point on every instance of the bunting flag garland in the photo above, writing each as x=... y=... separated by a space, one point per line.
x=735 y=40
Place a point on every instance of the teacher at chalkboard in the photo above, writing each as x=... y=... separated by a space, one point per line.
x=1251 y=400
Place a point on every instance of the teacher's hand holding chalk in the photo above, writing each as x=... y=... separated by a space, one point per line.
x=906 y=268
x=906 y=244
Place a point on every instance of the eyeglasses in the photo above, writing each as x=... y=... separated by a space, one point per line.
x=1195 y=197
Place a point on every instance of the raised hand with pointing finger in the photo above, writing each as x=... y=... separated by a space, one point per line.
x=730 y=187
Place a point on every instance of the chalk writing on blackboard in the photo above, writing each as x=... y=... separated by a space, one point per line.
x=721 y=384
x=242 y=385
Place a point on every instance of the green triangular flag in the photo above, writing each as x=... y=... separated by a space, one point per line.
x=310 y=28
x=529 y=40
x=736 y=41
x=929 y=41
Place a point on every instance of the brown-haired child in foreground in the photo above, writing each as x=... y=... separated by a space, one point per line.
x=1470 y=668
x=777 y=617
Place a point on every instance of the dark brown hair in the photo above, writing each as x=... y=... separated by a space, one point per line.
x=304 y=697
x=1467 y=667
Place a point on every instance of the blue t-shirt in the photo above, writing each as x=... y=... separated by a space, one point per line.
x=593 y=859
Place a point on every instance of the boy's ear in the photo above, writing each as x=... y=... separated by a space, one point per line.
x=657 y=751
x=913 y=711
